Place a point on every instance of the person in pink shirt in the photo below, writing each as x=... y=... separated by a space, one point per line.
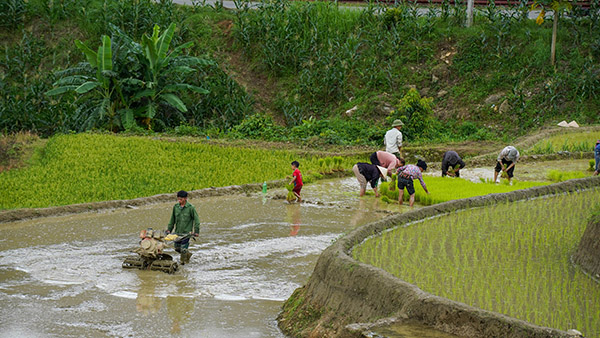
x=297 y=180
x=406 y=175
x=386 y=160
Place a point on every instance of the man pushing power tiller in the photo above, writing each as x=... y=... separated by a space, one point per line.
x=406 y=175
x=184 y=221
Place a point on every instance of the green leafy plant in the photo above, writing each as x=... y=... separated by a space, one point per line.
x=99 y=90
x=161 y=70
x=131 y=83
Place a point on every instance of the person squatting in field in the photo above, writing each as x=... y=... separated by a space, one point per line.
x=508 y=157
x=184 y=221
x=450 y=162
x=371 y=173
x=406 y=175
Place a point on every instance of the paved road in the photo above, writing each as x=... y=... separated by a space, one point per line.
x=232 y=5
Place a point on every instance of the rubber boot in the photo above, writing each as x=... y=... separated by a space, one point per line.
x=188 y=255
x=185 y=257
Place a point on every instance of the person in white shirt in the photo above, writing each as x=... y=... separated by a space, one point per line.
x=393 y=139
x=508 y=157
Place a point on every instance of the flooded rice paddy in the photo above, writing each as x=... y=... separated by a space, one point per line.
x=62 y=276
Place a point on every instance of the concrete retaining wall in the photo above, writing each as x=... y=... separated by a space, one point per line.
x=343 y=287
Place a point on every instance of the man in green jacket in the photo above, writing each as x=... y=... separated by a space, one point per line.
x=184 y=221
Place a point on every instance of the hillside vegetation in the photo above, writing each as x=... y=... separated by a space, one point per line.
x=311 y=73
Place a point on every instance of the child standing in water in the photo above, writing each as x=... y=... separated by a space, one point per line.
x=297 y=180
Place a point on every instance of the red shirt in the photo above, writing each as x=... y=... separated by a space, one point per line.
x=298 y=176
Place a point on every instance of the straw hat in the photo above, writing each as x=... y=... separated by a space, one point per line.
x=397 y=123
x=383 y=171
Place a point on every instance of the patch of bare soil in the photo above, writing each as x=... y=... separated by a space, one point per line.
x=16 y=149
x=255 y=81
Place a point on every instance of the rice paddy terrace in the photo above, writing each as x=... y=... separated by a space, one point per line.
x=490 y=266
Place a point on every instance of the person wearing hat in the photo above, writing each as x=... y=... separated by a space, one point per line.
x=371 y=173
x=393 y=139
x=450 y=161
x=406 y=175
x=184 y=220
x=507 y=159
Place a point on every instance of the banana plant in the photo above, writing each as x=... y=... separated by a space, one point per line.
x=133 y=83
x=164 y=73
x=98 y=86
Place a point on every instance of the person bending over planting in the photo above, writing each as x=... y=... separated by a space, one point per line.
x=184 y=221
x=297 y=180
x=451 y=164
x=386 y=160
x=406 y=175
x=508 y=157
x=371 y=173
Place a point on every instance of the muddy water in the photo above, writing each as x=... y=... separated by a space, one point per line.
x=528 y=171
x=62 y=276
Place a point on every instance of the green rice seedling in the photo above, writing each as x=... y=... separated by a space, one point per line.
x=337 y=163
x=290 y=195
x=322 y=166
x=328 y=161
x=592 y=165
x=512 y=258
x=444 y=189
x=109 y=167
x=559 y=176
x=572 y=142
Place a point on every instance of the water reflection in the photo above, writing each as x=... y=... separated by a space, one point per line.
x=294 y=218
x=363 y=211
x=146 y=301
x=180 y=310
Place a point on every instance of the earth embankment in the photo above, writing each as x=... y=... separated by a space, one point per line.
x=342 y=291
x=588 y=252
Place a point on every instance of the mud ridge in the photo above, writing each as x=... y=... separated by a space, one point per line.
x=588 y=252
x=342 y=291
x=13 y=215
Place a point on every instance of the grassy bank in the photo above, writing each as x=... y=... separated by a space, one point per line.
x=313 y=72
